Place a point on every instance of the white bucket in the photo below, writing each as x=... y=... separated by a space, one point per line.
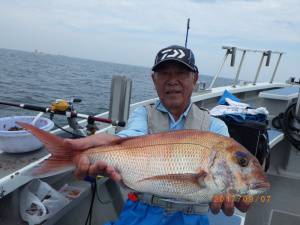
x=21 y=141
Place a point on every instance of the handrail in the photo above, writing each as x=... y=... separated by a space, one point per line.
x=252 y=50
x=231 y=50
x=275 y=70
x=239 y=70
x=220 y=69
x=258 y=69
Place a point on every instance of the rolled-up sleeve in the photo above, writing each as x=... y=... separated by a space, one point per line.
x=218 y=126
x=137 y=123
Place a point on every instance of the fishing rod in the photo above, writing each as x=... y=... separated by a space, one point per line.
x=64 y=107
x=59 y=108
x=187 y=32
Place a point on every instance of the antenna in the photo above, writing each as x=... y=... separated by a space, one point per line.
x=187 y=31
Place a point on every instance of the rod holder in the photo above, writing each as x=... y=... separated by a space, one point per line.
x=120 y=98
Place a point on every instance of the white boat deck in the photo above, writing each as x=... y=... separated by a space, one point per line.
x=287 y=93
x=12 y=167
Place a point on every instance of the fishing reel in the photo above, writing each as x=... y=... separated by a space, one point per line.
x=62 y=106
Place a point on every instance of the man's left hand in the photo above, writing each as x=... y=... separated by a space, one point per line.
x=227 y=203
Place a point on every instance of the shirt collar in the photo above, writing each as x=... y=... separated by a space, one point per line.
x=159 y=106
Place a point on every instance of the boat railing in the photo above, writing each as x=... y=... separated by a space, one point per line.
x=232 y=52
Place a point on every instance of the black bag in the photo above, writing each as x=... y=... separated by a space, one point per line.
x=252 y=135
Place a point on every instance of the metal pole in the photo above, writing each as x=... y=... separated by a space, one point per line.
x=275 y=70
x=187 y=31
x=218 y=72
x=233 y=52
x=258 y=69
x=239 y=69
x=297 y=111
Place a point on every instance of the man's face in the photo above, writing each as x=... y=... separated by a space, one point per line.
x=174 y=84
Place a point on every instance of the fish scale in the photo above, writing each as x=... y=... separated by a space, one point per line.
x=155 y=156
x=172 y=158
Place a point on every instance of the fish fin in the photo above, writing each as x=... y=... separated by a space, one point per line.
x=62 y=156
x=201 y=175
x=194 y=178
x=171 y=185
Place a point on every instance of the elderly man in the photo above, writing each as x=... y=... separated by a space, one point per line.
x=174 y=75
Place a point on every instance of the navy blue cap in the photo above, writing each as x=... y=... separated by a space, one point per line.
x=175 y=53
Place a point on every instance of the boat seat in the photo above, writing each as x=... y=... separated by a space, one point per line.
x=286 y=93
x=275 y=137
x=220 y=218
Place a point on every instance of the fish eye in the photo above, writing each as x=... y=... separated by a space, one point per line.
x=242 y=159
x=243 y=162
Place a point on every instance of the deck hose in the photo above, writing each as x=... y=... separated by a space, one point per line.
x=289 y=123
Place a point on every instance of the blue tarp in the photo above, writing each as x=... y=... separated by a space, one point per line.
x=227 y=94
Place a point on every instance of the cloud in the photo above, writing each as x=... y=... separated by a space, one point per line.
x=223 y=1
x=248 y=19
x=110 y=29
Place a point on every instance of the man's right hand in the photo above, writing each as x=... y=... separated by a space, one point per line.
x=83 y=165
x=85 y=168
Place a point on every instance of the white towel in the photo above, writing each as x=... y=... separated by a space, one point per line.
x=236 y=108
x=237 y=104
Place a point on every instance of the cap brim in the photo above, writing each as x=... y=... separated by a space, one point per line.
x=194 y=69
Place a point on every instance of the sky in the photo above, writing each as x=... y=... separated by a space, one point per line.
x=132 y=31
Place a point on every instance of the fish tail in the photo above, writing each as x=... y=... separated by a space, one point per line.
x=61 y=154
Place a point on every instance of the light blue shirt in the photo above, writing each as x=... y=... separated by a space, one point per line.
x=138 y=125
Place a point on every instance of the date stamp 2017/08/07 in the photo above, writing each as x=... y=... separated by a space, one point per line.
x=245 y=198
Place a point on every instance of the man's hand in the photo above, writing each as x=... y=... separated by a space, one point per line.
x=227 y=204
x=83 y=166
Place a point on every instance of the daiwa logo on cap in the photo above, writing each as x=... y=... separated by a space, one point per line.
x=172 y=53
x=175 y=53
